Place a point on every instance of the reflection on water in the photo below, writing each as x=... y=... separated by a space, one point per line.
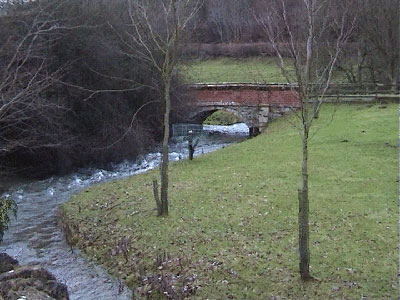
x=34 y=237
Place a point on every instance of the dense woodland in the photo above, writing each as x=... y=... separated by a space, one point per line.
x=73 y=92
x=233 y=27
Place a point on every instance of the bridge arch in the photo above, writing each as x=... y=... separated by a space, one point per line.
x=248 y=115
x=201 y=116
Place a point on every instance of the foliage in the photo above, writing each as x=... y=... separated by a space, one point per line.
x=7 y=205
x=233 y=224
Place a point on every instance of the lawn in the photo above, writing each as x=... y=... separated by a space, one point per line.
x=225 y=69
x=232 y=229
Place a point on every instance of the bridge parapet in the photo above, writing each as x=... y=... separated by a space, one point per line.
x=238 y=86
x=282 y=95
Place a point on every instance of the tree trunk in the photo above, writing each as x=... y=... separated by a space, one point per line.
x=191 y=152
x=303 y=213
x=156 y=196
x=164 y=162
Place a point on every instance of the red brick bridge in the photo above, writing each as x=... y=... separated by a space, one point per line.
x=254 y=104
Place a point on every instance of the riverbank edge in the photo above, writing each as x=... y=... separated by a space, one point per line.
x=28 y=282
x=76 y=236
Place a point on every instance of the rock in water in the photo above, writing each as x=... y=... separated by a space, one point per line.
x=7 y=263
x=28 y=282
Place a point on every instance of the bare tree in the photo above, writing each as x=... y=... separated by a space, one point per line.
x=26 y=75
x=314 y=35
x=374 y=56
x=230 y=18
x=379 y=28
x=153 y=34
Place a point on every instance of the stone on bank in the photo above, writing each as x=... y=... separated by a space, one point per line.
x=28 y=282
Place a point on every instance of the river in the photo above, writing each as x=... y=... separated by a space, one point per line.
x=34 y=238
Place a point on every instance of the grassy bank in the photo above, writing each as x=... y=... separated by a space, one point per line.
x=225 y=69
x=232 y=229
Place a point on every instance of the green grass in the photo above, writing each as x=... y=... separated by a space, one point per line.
x=232 y=229
x=254 y=69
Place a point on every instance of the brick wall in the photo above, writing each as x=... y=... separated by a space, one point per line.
x=274 y=96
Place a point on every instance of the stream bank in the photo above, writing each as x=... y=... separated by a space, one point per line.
x=34 y=238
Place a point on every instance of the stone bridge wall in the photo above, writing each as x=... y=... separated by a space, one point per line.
x=255 y=104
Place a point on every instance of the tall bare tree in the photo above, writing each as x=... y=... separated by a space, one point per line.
x=314 y=35
x=153 y=34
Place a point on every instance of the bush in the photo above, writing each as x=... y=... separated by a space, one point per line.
x=7 y=205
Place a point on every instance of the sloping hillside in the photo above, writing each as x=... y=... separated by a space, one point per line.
x=232 y=229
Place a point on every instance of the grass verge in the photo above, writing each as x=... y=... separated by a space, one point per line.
x=232 y=229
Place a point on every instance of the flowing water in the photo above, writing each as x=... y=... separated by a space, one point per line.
x=34 y=238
